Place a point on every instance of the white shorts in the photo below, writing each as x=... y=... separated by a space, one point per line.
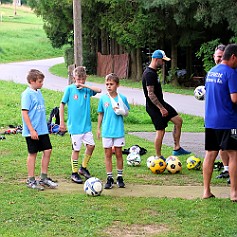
x=85 y=138
x=109 y=142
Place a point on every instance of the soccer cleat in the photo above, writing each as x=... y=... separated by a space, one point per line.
x=34 y=185
x=85 y=172
x=223 y=175
x=180 y=152
x=120 y=182
x=47 y=182
x=75 y=177
x=110 y=182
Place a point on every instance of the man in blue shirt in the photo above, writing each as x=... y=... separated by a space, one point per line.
x=221 y=118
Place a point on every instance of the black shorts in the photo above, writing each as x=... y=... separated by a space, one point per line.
x=158 y=120
x=219 y=139
x=42 y=144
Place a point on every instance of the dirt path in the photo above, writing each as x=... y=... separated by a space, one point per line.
x=137 y=190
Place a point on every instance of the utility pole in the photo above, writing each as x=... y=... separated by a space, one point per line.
x=77 y=21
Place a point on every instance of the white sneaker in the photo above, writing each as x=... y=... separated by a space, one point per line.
x=48 y=183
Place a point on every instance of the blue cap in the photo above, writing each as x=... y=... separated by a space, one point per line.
x=160 y=54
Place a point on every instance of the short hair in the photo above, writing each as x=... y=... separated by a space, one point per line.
x=34 y=75
x=229 y=51
x=112 y=77
x=220 y=47
x=79 y=71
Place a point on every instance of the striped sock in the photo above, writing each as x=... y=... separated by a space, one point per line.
x=74 y=164
x=120 y=172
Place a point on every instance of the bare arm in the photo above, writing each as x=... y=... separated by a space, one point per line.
x=33 y=133
x=100 y=118
x=234 y=98
x=93 y=88
x=62 y=126
x=155 y=101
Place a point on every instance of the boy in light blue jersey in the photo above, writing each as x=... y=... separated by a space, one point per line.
x=35 y=130
x=112 y=107
x=77 y=97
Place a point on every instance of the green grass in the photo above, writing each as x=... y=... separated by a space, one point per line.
x=25 y=212
x=61 y=70
x=22 y=36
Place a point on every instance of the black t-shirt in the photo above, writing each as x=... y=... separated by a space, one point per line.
x=150 y=78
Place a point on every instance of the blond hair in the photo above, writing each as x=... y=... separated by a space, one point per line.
x=34 y=75
x=79 y=71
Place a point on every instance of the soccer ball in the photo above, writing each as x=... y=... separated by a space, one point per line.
x=149 y=160
x=133 y=159
x=134 y=149
x=174 y=165
x=193 y=163
x=93 y=186
x=158 y=166
x=199 y=92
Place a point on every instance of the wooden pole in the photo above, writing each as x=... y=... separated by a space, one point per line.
x=77 y=21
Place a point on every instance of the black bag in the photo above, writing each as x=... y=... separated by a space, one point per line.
x=54 y=116
x=143 y=150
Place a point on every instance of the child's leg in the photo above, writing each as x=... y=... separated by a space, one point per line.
x=108 y=160
x=45 y=161
x=119 y=159
x=88 y=154
x=31 y=158
x=74 y=161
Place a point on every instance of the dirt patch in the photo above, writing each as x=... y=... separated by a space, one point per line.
x=135 y=230
x=139 y=190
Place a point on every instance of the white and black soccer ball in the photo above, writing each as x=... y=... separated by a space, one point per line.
x=199 y=93
x=133 y=159
x=93 y=186
x=134 y=149
x=149 y=161
x=174 y=165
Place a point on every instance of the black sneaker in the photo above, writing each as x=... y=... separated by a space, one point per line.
x=110 y=182
x=223 y=175
x=85 y=172
x=75 y=177
x=228 y=181
x=120 y=182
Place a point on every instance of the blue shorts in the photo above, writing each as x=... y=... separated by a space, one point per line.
x=42 y=144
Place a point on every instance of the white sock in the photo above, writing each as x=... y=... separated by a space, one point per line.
x=226 y=168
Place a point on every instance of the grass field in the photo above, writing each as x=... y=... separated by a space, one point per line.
x=22 y=36
x=28 y=213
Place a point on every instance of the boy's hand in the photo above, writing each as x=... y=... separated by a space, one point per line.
x=34 y=135
x=62 y=127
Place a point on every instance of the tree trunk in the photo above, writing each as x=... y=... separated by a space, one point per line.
x=174 y=64
x=138 y=65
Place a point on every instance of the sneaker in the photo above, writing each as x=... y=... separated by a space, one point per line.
x=85 y=172
x=180 y=152
x=47 y=182
x=110 y=182
x=228 y=181
x=35 y=185
x=223 y=175
x=162 y=157
x=120 y=182
x=75 y=177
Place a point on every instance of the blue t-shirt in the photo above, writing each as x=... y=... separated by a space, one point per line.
x=112 y=124
x=33 y=101
x=220 y=111
x=79 y=112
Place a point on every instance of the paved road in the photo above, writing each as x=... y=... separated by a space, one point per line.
x=186 y=104
x=17 y=72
